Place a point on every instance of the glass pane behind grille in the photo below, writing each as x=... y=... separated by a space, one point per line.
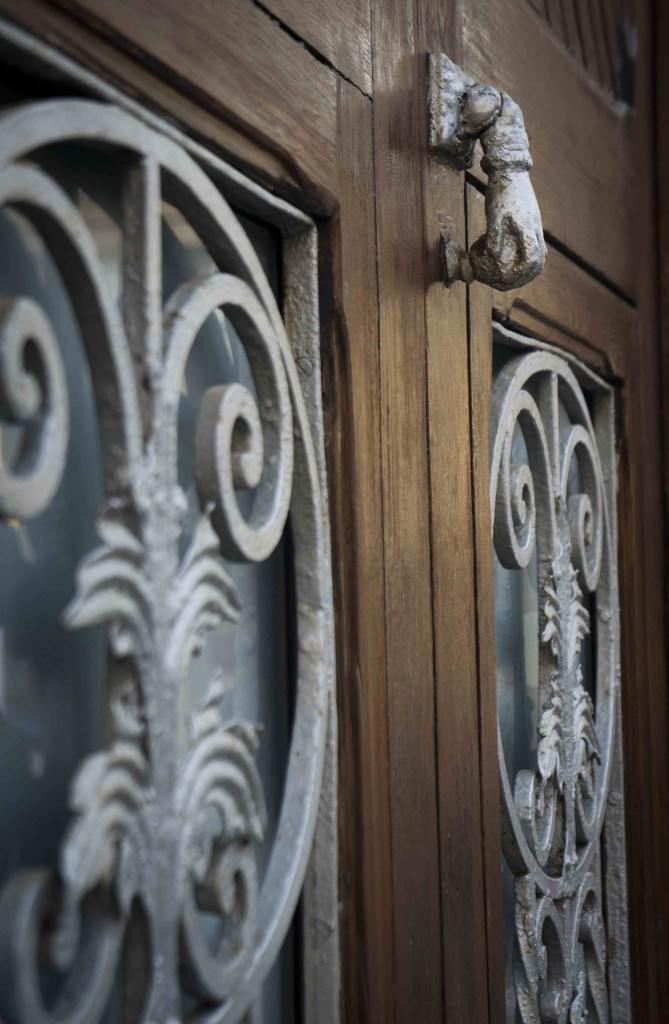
x=51 y=681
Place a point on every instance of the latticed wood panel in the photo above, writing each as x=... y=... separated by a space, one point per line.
x=599 y=34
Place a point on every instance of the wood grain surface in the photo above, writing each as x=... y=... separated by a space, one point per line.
x=339 y=30
x=581 y=142
x=325 y=104
x=349 y=314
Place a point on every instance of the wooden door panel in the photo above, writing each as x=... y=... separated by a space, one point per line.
x=597 y=327
x=569 y=309
x=351 y=366
x=284 y=89
x=113 y=62
x=572 y=35
x=340 y=31
x=239 y=64
x=444 y=814
x=579 y=139
x=348 y=289
x=468 y=812
x=400 y=134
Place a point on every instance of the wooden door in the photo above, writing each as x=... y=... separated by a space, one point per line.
x=311 y=120
x=594 y=301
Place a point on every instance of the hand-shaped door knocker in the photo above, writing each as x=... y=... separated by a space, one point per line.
x=512 y=251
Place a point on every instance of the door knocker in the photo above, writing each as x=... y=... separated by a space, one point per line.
x=512 y=251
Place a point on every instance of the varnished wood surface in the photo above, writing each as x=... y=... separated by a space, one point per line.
x=581 y=143
x=579 y=316
x=555 y=17
x=645 y=625
x=399 y=142
x=469 y=825
x=566 y=305
x=463 y=791
x=661 y=68
x=233 y=60
x=479 y=380
x=116 y=65
x=587 y=28
x=339 y=30
x=406 y=413
x=572 y=34
x=349 y=314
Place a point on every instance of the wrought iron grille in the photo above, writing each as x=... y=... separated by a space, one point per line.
x=174 y=829
x=552 y=500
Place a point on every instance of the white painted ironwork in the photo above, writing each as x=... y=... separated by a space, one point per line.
x=512 y=251
x=561 y=814
x=178 y=832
